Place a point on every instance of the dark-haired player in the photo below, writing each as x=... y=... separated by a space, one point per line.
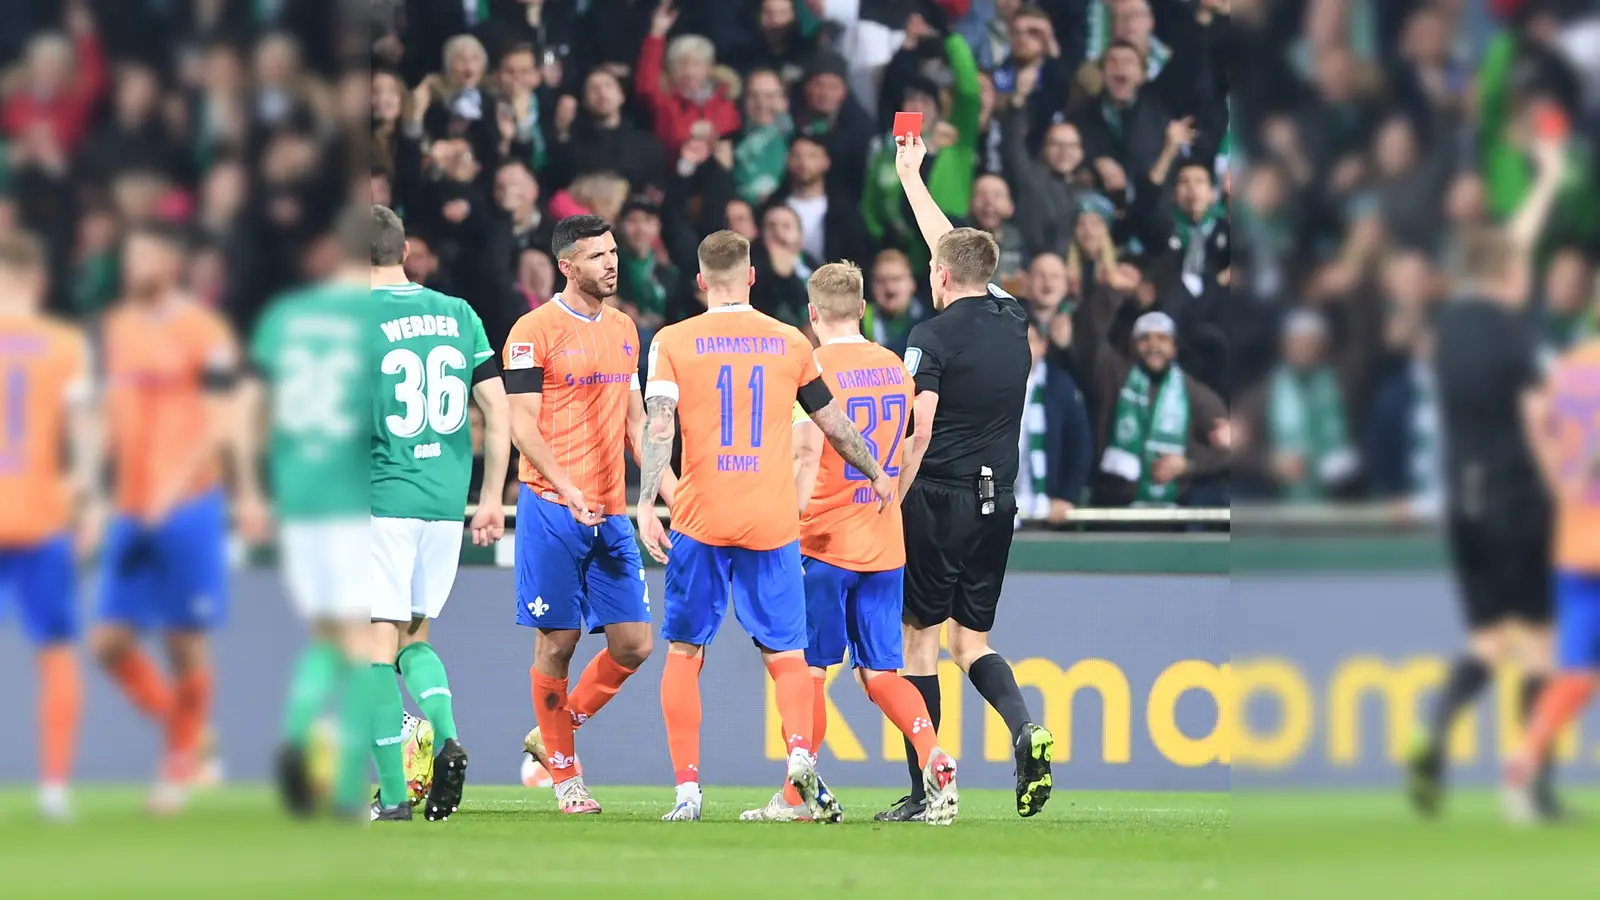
x=571 y=369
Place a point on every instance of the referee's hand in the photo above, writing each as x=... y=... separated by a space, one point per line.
x=883 y=486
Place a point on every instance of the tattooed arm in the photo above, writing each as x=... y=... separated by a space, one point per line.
x=660 y=419
x=844 y=437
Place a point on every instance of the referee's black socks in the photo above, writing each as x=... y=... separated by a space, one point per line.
x=1468 y=676
x=992 y=676
x=928 y=687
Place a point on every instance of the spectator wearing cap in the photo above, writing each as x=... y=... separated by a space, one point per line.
x=830 y=222
x=1298 y=422
x=62 y=81
x=600 y=138
x=825 y=109
x=1092 y=260
x=686 y=103
x=1153 y=423
x=760 y=150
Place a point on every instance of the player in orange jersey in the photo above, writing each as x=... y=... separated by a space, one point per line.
x=854 y=556
x=1567 y=448
x=44 y=395
x=170 y=367
x=732 y=376
x=572 y=371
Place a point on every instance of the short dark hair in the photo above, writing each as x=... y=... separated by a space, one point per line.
x=520 y=47
x=169 y=235
x=572 y=229
x=386 y=237
x=1202 y=165
x=1124 y=45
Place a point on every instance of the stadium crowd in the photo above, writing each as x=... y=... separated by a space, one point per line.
x=1096 y=139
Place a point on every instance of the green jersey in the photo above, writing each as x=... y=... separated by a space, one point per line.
x=425 y=345
x=309 y=347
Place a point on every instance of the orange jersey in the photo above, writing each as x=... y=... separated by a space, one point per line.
x=589 y=366
x=735 y=374
x=44 y=366
x=842 y=525
x=1575 y=409
x=156 y=364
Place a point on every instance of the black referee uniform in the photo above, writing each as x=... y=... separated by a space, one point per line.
x=960 y=511
x=975 y=356
x=1498 y=516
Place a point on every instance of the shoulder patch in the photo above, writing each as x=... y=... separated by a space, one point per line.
x=996 y=290
x=913 y=359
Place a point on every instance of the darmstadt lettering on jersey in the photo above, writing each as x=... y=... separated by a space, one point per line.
x=769 y=346
x=736 y=462
x=598 y=378
x=407 y=327
x=874 y=377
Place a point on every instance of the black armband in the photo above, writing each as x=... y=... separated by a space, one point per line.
x=911 y=423
x=525 y=381
x=489 y=368
x=218 y=380
x=814 y=395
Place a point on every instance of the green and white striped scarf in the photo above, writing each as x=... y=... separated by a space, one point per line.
x=1425 y=458
x=1146 y=428
x=1033 y=500
x=1306 y=417
x=1100 y=39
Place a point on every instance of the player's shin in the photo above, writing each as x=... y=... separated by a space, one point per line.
x=425 y=678
x=795 y=700
x=1566 y=696
x=555 y=724
x=352 y=776
x=904 y=706
x=315 y=674
x=60 y=712
x=600 y=681
x=388 y=716
x=680 y=708
x=819 y=725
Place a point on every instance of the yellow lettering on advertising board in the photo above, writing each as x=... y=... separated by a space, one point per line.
x=1400 y=688
x=1161 y=714
x=1279 y=679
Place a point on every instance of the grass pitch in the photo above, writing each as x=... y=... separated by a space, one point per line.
x=510 y=842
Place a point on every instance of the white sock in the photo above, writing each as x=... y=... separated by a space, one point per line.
x=689 y=791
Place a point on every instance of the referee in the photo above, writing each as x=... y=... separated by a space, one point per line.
x=1490 y=384
x=970 y=364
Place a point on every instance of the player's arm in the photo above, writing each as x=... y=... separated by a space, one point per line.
x=660 y=423
x=489 y=392
x=818 y=402
x=807 y=456
x=219 y=381
x=250 y=411
x=1528 y=224
x=931 y=220
x=86 y=446
x=921 y=431
x=669 y=481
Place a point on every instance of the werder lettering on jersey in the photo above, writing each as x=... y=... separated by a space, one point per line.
x=407 y=327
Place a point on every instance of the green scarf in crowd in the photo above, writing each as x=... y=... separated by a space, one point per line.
x=760 y=160
x=1032 y=486
x=643 y=282
x=1146 y=428
x=1305 y=414
x=1100 y=38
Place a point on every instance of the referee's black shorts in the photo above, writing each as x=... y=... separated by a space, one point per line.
x=955 y=557
x=1503 y=573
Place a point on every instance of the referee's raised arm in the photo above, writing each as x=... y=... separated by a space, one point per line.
x=970 y=366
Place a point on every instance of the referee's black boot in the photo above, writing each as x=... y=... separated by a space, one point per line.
x=1032 y=751
x=906 y=810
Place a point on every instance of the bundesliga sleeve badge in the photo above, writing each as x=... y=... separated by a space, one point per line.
x=519 y=356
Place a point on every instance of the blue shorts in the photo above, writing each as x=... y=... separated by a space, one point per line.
x=855 y=610
x=572 y=577
x=41 y=583
x=765 y=585
x=170 y=576
x=1578 y=621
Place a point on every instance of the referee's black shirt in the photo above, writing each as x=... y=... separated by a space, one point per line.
x=1486 y=357
x=974 y=355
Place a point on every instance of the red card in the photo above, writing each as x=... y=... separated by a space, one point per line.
x=907 y=123
x=1551 y=122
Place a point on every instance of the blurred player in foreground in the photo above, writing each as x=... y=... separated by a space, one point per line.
x=734 y=374
x=171 y=369
x=428 y=348
x=853 y=555
x=1567 y=445
x=1490 y=382
x=308 y=351
x=45 y=394
x=572 y=373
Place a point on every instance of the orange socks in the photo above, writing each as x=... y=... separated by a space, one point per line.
x=903 y=704
x=599 y=682
x=191 y=709
x=795 y=697
x=555 y=723
x=1563 y=699
x=144 y=684
x=819 y=728
x=60 y=711
x=680 y=707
